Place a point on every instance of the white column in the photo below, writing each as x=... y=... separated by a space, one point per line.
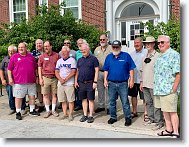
x=164 y=10
x=109 y=18
x=118 y=36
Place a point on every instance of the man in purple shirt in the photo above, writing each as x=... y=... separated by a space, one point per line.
x=22 y=76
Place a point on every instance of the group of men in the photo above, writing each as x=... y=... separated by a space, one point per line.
x=72 y=77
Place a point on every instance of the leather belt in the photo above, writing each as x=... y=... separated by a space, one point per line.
x=85 y=82
x=118 y=81
x=50 y=77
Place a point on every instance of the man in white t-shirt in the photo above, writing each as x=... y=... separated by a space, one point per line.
x=65 y=72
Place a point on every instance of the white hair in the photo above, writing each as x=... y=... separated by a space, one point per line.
x=39 y=40
x=12 y=46
x=164 y=36
x=65 y=47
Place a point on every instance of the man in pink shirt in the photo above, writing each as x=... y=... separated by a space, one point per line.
x=22 y=76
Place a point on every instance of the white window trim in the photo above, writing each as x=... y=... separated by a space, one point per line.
x=11 y=16
x=79 y=8
x=40 y=3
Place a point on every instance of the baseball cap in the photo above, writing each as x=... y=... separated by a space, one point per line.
x=116 y=43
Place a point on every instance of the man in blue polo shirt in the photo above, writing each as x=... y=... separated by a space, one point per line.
x=118 y=69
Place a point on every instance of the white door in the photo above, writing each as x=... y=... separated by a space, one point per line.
x=129 y=31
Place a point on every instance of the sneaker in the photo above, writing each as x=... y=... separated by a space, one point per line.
x=111 y=121
x=78 y=108
x=34 y=113
x=70 y=118
x=128 y=122
x=54 y=113
x=157 y=127
x=11 y=112
x=149 y=122
x=41 y=109
x=18 y=116
x=47 y=114
x=99 y=110
x=23 y=112
x=90 y=119
x=84 y=118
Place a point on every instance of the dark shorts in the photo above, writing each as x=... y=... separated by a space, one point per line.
x=86 y=91
x=133 y=92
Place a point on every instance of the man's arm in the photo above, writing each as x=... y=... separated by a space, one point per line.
x=95 y=77
x=131 y=79
x=176 y=82
x=105 y=79
x=76 y=78
x=4 y=82
x=11 y=81
x=41 y=82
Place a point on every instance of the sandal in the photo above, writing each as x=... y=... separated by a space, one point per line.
x=146 y=118
x=133 y=115
x=168 y=133
x=175 y=135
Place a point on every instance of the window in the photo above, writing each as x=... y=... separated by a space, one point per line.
x=74 y=6
x=136 y=30
x=18 y=10
x=43 y=2
x=137 y=9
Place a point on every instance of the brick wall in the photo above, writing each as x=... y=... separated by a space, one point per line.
x=93 y=12
x=175 y=11
x=4 y=10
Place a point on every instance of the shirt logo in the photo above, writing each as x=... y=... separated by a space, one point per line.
x=46 y=59
x=121 y=60
x=19 y=59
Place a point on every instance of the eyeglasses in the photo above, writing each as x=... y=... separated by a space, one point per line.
x=161 y=42
x=102 y=39
x=66 y=42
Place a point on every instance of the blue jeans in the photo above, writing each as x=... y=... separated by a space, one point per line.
x=122 y=90
x=12 y=99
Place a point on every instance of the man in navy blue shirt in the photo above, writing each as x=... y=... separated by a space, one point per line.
x=118 y=69
x=86 y=81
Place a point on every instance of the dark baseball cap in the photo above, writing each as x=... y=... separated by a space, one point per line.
x=116 y=43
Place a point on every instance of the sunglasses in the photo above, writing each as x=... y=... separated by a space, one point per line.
x=66 y=42
x=161 y=42
x=116 y=47
x=102 y=39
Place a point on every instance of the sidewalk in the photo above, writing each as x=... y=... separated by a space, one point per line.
x=100 y=122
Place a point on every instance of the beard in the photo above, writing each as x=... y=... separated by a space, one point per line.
x=115 y=53
x=103 y=44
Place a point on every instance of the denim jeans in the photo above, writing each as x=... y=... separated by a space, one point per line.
x=122 y=90
x=12 y=99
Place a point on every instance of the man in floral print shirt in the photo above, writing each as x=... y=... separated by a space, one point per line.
x=166 y=85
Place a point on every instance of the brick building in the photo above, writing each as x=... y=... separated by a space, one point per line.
x=121 y=18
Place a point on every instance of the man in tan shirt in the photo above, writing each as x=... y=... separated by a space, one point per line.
x=100 y=53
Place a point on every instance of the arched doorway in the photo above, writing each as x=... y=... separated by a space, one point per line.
x=131 y=19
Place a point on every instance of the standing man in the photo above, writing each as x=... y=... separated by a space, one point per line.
x=155 y=115
x=100 y=53
x=138 y=55
x=118 y=68
x=22 y=71
x=4 y=78
x=47 y=78
x=65 y=72
x=166 y=85
x=36 y=53
x=86 y=81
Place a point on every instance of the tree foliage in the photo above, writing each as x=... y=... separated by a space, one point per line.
x=49 y=24
x=172 y=29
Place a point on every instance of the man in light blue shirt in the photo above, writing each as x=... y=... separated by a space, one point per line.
x=138 y=55
x=166 y=85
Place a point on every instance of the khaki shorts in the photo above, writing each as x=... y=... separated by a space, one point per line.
x=21 y=90
x=66 y=93
x=50 y=86
x=167 y=103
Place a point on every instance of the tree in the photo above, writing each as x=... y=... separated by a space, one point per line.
x=49 y=24
x=172 y=29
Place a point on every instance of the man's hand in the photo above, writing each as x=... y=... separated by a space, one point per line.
x=4 y=82
x=105 y=83
x=94 y=85
x=11 y=82
x=41 y=82
x=76 y=85
x=131 y=83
